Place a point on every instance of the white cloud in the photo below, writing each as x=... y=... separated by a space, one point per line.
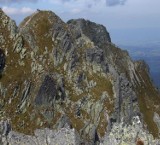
x=90 y=3
x=76 y=11
x=17 y=11
x=16 y=1
x=26 y=10
x=9 y=10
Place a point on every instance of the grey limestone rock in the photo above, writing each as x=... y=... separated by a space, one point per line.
x=94 y=55
x=95 y=32
x=2 y=39
x=76 y=32
x=62 y=36
x=63 y=122
x=25 y=95
x=126 y=105
x=5 y=127
x=156 y=119
x=15 y=138
x=13 y=29
x=73 y=62
x=58 y=58
x=63 y=136
x=123 y=134
x=18 y=44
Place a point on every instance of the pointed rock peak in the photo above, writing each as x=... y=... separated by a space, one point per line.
x=7 y=25
x=40 y=17
x=4 y=16
x=2 y=13
x=39 y=27
x=95 y=32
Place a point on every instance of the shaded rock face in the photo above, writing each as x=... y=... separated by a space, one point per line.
x=94 y=55
x=96 y=33
x=126 y=106
x=70 y=75
x=47 y=92
x=2 y=60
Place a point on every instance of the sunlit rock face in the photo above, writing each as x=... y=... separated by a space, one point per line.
x=129 y=134
x=68 y=79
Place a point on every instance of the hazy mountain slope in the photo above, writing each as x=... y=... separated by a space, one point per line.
x=149 y=53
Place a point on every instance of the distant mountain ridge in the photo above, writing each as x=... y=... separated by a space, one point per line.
x=70 y=80
x=151 y=54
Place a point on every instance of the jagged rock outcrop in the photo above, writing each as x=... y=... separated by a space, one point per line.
x=57 y=74
x=63 y=136
x=96 y=33
x=129 y=135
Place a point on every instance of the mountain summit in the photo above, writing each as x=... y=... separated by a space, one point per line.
x=67 y=83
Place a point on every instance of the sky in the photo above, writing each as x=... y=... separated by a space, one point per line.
x=128 y=21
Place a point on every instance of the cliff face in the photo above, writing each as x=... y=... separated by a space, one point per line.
x=56 y=74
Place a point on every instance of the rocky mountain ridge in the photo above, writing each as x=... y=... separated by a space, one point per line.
x=56 y=74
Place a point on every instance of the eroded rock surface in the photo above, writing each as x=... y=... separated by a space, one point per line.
x=63 y=136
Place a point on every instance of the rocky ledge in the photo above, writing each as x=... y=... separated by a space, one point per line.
x=121 y=134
